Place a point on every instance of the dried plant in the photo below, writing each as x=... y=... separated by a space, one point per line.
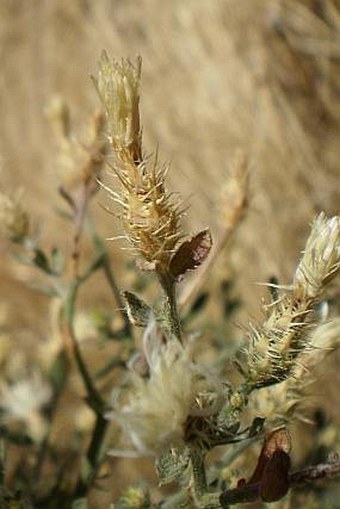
x=166 y=404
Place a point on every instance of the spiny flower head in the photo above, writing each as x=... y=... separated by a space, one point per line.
x=14 y=220
x=150 y=216
x=274 y=346
x=321 y=257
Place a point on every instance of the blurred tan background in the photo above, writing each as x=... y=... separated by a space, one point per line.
x=261 y=76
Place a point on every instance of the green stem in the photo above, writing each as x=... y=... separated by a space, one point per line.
x=199 y=478
x=172 y=320
x=106 y=267
x=114 y=288
x=93 y=454
x=51 y=415
x=94 y=399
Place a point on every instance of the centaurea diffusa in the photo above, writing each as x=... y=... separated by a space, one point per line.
x=174 y=410
x=150 y=215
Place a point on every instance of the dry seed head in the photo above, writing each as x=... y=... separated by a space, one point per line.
x=278 y=403
x=155 y=415
x=14 y=220
x=150 y=216
x=78 y=161
x=288 y=400
x=321 y=257
x=274 y=347
x=22 y=400
x=118 y=87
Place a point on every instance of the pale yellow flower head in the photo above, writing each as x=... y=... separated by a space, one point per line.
x=22 y=401
x=80 y=158
x=14 y=221
x=156 y=413
x=321 y=257
x=150 y=214
x=118 y=87
x=158 y=407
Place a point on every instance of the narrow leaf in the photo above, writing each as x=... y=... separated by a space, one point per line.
x=40 y=260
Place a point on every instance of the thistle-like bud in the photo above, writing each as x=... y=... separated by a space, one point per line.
x=150 y=216
x=14 y=220
x=79 y=162
x=286 y=333
x=118 y=88
x=321 y=257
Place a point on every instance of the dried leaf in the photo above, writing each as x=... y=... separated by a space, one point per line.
x=275 y=480
x=273 y=466
x=190 y=254
x=270 y=480
x=278 y=440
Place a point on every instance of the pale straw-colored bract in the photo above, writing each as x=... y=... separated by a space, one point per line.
x=118 y=87
x=321 y=257
x=14 y=220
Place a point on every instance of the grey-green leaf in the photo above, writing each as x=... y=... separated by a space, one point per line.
x=137 y=310
x=172 y=465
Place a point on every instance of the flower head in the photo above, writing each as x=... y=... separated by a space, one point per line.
x=321 y=257
x=79 y=162
x=118 y=87
x=156 y=414
x=158 y=407
x=22 y=401
x=14 y=221
x=150 y=216
x=286 y=333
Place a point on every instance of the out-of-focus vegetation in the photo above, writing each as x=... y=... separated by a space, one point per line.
x=260 y=77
